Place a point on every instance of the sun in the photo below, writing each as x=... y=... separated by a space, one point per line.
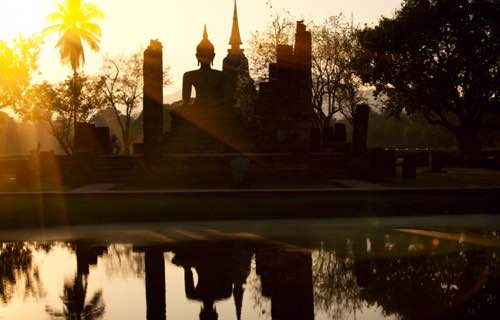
x=24 y=17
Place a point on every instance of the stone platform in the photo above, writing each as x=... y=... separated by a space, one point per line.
x=216 y=129
x=229 y=169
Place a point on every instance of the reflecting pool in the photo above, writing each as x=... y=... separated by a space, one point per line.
x=302 y=269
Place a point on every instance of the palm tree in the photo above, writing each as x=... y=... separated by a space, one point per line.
x=74 y=22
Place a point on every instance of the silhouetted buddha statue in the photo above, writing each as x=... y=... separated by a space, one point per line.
x=210 y=85
x=210 y=124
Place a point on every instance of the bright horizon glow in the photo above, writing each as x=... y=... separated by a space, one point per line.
x=129 y=26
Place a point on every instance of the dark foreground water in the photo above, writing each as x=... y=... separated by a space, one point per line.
x=407 y=268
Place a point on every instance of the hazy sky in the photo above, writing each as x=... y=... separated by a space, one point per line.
x=130 y=24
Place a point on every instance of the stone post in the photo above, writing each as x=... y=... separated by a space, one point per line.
x=153 y=100
x=390 y=159
x=328 y=135
x=409 y=166
x=315 y=139
x=340 y=133
x=360 y=129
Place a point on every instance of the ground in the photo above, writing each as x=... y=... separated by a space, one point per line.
x=450 y=177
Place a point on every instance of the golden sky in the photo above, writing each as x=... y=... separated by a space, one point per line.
x=130 y=24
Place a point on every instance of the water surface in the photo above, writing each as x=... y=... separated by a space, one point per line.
x=432 y=268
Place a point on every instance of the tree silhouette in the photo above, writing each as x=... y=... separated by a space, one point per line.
x=122 y=83
x=74 y=22
x=438 y=58
x=335 y=87
x=18 y=63
x=52 y=105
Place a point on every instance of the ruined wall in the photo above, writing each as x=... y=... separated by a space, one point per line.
x=285 y=101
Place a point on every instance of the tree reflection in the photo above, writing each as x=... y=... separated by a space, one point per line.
x=74 y=296
x=18 y=273
x=460 y=285
x=335 y=289
x=76 y=307
x=122 y=260
x=410 y=277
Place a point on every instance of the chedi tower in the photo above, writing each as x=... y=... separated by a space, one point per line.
x=235 y=64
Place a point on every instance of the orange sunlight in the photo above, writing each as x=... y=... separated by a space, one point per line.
x=128 y=26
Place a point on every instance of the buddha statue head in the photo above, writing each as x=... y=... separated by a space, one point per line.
x=205 y=51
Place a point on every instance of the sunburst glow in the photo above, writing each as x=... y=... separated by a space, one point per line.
x=129 y=25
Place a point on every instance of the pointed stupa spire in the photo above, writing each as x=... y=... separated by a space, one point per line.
x=235 y=40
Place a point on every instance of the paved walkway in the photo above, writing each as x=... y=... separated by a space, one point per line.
x=354 y=188
x=90 y=188
x=344 y=186
x=359 y=184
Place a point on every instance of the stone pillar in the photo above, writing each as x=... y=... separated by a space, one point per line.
x=360 y=129
x=153 y=100
x=303 y=64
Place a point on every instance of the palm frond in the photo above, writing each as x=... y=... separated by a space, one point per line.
x=91 y=40
x=55 y=17
x=93 y=28
x=91 y=11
